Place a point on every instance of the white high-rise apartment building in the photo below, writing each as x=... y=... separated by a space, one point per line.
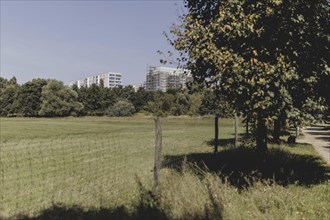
x=110 y=80
x=164 y=78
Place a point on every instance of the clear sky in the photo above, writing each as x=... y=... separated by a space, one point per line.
x=68 y=40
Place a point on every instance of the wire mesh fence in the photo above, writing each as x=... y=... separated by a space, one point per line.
x=91 y=172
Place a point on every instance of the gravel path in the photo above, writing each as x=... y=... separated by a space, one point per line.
x=319 y=137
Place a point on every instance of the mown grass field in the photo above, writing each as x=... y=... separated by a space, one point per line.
x=101 y=168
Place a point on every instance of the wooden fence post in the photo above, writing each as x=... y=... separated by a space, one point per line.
x=158 y=150
x=236 y=129
x=216 y=134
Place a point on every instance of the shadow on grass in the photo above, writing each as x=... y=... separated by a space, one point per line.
x=148 y=208
x=327 y=139
x=241 y=167
x=319 y=128
x=64 y=212
x=61 y=212
x=222 y=142
x=318 y=133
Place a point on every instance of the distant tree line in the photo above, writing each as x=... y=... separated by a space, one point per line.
x=51 y=98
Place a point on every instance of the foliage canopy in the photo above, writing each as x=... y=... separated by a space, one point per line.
x=265 y=56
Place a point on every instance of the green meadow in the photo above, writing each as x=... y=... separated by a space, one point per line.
x=101 y=168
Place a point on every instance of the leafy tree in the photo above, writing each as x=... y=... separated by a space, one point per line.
x=212 y=104
x=178 y=104
x=195 y=104
x=95 y=99
x=254 y=53
x=13 y=81
x=108 y=98
x=84 y=98
x=159 y=106
x=3 y=83
x=121 y=92
x=122 y=108
x=58 y=100
x=29 y=97
x=127 y=92
x=9 y=92
x=304 y=40
x=140 y=98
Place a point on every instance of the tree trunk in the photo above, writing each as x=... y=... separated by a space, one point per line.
x=297 y=131
x=277 y=130
x=247 y=120
x=158 y=150
x=236 y=129
x=261 y=135
x=216 y=134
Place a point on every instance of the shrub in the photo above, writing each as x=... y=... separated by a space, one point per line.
x=122 y=108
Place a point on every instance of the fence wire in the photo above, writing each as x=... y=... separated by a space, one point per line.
x=37 y=174
x=94 y=170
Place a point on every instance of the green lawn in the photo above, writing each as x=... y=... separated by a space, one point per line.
x=86 y=161
x=96 y=163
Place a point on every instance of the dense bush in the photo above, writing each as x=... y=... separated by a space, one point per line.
x=58 y=100
x=122 y=108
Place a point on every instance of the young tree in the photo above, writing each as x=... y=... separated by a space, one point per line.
x=254 y=52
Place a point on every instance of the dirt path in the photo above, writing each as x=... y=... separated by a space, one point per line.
x=319 y=137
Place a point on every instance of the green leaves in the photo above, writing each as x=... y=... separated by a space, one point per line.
x=263 y=56
x=122 y=108
x=59 y=100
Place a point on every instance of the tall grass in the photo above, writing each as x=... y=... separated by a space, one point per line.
x=191 y=197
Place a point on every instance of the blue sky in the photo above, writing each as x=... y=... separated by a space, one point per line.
x=67 y=40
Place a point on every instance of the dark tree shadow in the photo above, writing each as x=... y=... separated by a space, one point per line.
x=241 y=167
x=246 y=139
x=319 y=128
x=222 y=142
x=62 y=212
x=327 y=139
x=148 y=208
x=318 y=133
x=230 y=142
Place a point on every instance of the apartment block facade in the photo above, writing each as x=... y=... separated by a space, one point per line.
x=110 y=80
x=164 y=78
